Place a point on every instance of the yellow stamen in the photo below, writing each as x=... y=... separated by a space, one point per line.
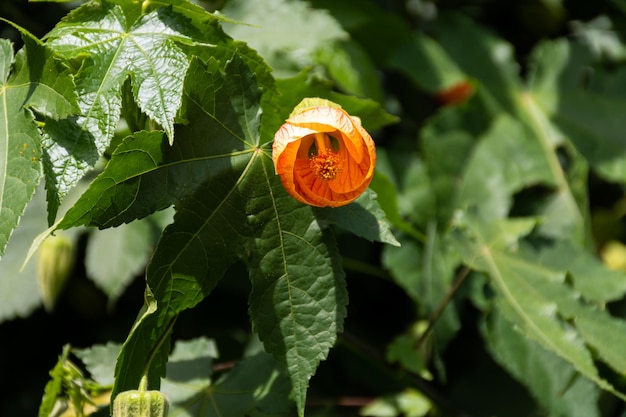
x=326 y=166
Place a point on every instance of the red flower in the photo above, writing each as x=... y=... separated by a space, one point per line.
x=323 y=155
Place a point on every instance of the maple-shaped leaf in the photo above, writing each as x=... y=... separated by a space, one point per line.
x=533 y=292
x=229 y=204
x=111 y=47
x=32 y=80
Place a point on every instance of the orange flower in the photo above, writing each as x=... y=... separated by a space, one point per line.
x=323 y=155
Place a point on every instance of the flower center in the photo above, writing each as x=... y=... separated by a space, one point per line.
x=326 y=166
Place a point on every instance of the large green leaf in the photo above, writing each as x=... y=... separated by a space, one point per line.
x=111 y=46
x=536 y=296
x=228 y=202
x=37 y=81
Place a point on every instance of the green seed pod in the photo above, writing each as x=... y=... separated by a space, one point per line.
x=136 y=403
x=55 y=261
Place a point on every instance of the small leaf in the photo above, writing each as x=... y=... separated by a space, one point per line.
x=363 y=217
x=100 y=361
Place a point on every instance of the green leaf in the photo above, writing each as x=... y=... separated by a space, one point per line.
x=35 y=81
x=54 y=387
x=364 y=218
x=284 y=32
x=554 y=382
x=254 y=384
x=536 y=297
x=426 y=63
x=99 y=361
x=482 y=56
x=351 y=68
x=299 y=297
x=19 y=293
x=228 y=202
x=409 y=403
x=426 y=274
x=589 y=118
x=111 y=48
x=373 y=116
x=388 y=197
x=115 y=256
x=489 y=178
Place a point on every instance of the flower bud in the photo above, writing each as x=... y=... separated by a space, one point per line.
x=135 y=403
x=55 y=261
x=323 y=155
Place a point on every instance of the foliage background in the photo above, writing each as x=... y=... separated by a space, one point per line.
x=438 y=155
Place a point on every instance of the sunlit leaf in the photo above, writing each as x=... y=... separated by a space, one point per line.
x=112 y=48
x=37 y=81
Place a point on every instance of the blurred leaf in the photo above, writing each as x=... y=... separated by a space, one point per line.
x=551 y=380
x=426 y=63
x=483 y=56
x=426 y=274
x=537 y=298
x=115 y=256
x=599 y=34
x=409 y=403
x=373 y=116
x=388 y=200
x=100 y=361
x=254 y=384
x=591 y=120
x=487 y=177
x=351 y=68
x=19 y=294
x=35 y=81
x=284 y=32
x=364 y=218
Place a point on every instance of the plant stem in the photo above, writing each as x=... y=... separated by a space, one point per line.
x=460 y=278
x=156 y=348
